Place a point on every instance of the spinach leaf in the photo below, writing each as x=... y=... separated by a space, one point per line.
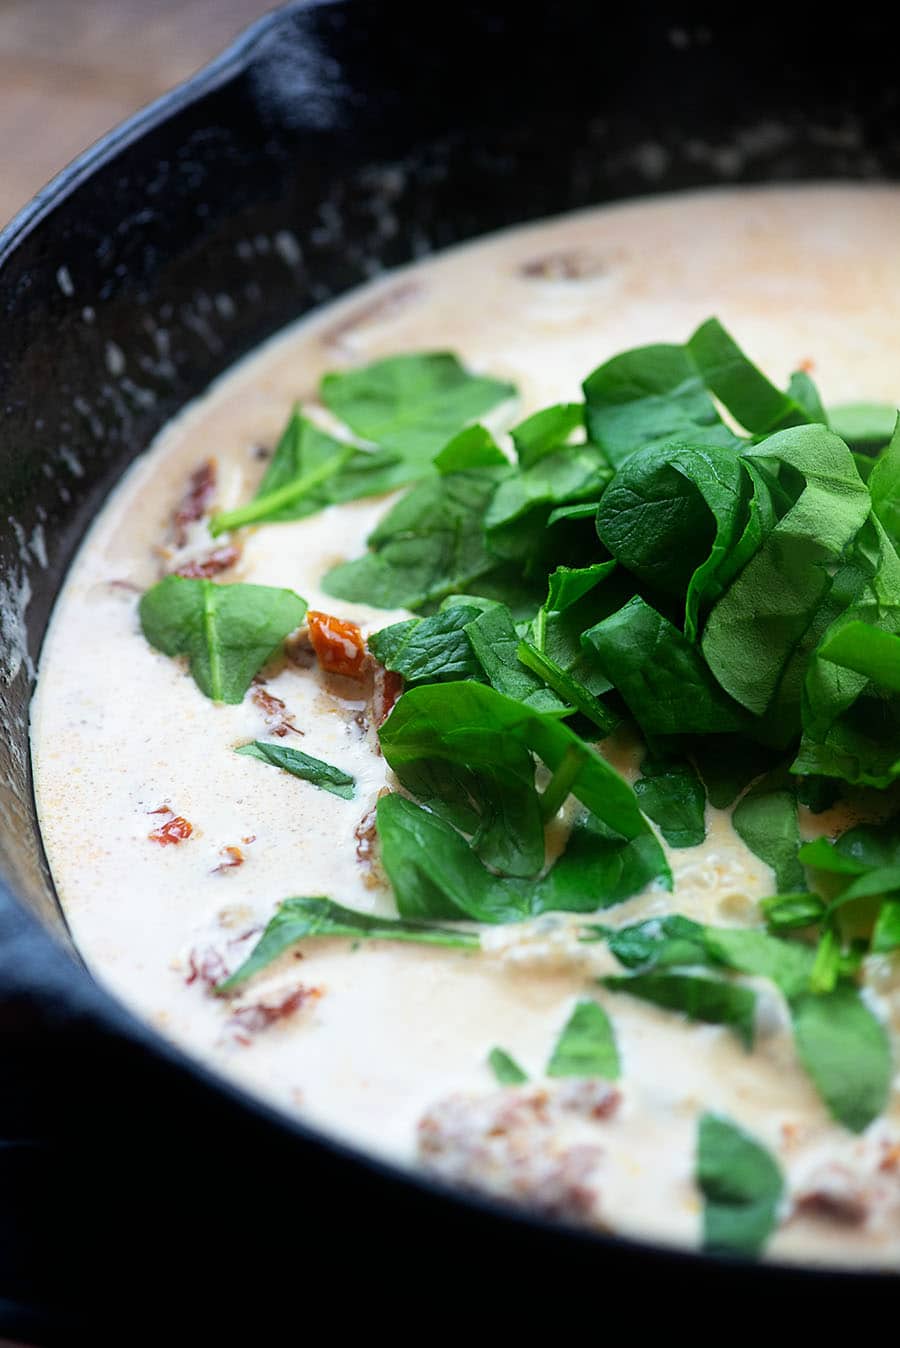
x=429 y=650
x=671 y=793
x=431 y=544
x=864 y=426
x=866 y=650
x=412 y=404
x=546 y=431
x=300 y=918
x=516 y=517
x=495 y=643
x=587 y=1046
x=660 y=674
x=741 y=1185
x=484 y=741
x=310 y=470
x=790 y=912
x=659 y=943
x=671 y=515
x=228 y=632
x=788 y=964
x=754 y=630
x=301 y=765
x=766 y=820
x=804 y=393
x=884 y=485
x=886 y=936
x=506 y=1069
x=749 y=396
x=435 y=874
x=696 y=996
x=846 y=1051
x=567 y=688
x=649 y=396
x=727 y=764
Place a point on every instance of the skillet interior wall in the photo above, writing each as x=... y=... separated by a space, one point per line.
x=341 y=139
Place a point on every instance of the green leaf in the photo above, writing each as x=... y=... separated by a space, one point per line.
x=858 y=850
x=727 y=764
x=412 y=404
x=429 y=650
x=671 y=515
x=648 y=396
x=661 y=676
x=310 y=470
x=506 y=1069
x=660 y=942
x=750 y=951
x=741 y=1185
x=587 y=1046
x=309 y=769
x=517 y=516
x=228 y=632
x=866 y=650
x=435 y=874
x=886 y=936
x=864 y=426
x=790 y=912
x=468 y=734
x=568 y=689
x=301 y=918
x=803 y=391
x=696 y=996
x=766 y=820
x=884 y=485
x=430 y=545
x=846 y=1051
x=546 y=431
x=671 y=793
x=495 y=642
x=749 y=396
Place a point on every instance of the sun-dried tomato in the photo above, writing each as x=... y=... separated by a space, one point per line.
x=387 y=688
x=202 y=568
x=196 y=500
x=173 y=831
x=233 y=857
x=338 y=644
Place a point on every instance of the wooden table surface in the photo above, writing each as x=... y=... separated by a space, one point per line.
x=71 y=69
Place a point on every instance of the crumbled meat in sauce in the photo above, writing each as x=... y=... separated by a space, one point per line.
x=383 y=307
x=836 y=1193
x=196 y=501
x=565 y=265
x=338 y=644
x=233 y=856
x=530 y=1145
x=206 y=966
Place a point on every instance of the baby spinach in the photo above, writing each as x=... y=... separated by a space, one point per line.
x=671 y=793
x=660 y=942
x=845 y=1049
x=304 y=766
x=429 y=650
x=299 y=919
x=766 y=820
x=546 y=431
x=506 y=1069
x=741 y=1185
x=864 y=426
x=696 y=996
x=495 y=642
x=412 y=404
x=749 y=396
x=228 y=632
x=586 y=1046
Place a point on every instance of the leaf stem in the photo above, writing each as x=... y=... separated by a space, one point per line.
x=281 y=497
x=562 y=781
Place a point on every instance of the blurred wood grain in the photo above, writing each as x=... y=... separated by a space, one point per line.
x=71 y=69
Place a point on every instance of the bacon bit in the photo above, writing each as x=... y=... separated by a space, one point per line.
x=891 y=1158
x=208 y=966
x=162 y=809
x=235 y=857
x=388 y=687
x=201 y=568
x=836 y=1194
x=250 y=838
x=260 y=1015
x=274 y=710
x=807 y=365
x=365 y=833
x=124 y=585
x=173 y=831
x=196 y=500
x=383 y=307
x=338 y=644
x=565 y=265
x=299 y=650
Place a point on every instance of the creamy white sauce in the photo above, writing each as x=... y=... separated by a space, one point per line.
x=119 y=730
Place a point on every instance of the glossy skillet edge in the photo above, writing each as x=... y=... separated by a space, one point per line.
x=107 y=1088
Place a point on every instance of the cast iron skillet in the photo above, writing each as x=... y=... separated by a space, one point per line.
x=332 y=140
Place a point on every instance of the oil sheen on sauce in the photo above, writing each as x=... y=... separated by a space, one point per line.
x=803 y=275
